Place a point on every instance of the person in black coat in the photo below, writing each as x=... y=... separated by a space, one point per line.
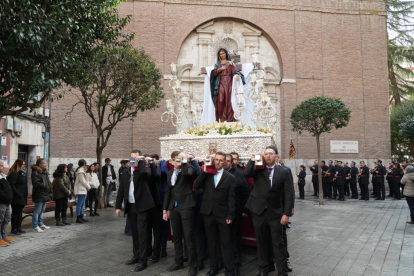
x=18 y=181
x=6 y=196
x=315 y=179
x=364 y=180
x=353 y=174
x=340 y=180
x=179 y=206
x=380 y=174
x=218 y=208
x=242 y=192
x=325 y=180
x=156 y=212
x=135 y=194
x=108 y=180
x=41 y=193
x=301 y=181
x=271 y=204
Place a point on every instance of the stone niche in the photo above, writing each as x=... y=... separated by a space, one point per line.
x=200 y=48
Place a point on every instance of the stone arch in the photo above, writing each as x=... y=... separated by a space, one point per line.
x=186 y=30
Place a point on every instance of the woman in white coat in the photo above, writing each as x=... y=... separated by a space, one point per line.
x=81 y=189
x=93 y=181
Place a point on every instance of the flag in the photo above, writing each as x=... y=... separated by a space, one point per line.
x=292 y=151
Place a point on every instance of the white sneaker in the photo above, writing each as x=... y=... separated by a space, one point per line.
x=37 y=229
x=44 y=227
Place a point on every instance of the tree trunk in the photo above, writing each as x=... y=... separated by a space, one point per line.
x=99 y=157
x=318 y=148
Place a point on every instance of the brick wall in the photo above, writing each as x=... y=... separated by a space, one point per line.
x=332 y=48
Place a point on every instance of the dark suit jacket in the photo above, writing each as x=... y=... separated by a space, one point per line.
x=155 y=184
x=301 y=176
x=105 y=172
x=220 y=200
x=241 y=189
x=182 y=191
x=142 y=194
x=278 y=199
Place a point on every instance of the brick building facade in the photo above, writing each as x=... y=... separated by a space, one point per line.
x=319 y=47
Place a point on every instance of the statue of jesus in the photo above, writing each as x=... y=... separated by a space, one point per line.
x=221 y=81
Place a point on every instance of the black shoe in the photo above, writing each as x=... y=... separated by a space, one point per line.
x=128 y=233
x=288 y=266
x=58 y=223
x=378 y=198
x=287 y=225
x=91 y=214
x=79 y=220
x=262 y=273
x=175 y=267
x=389 y=195
x=65 y=222
x=192 y=271
x=236 y=271
x=271 y=268
x=366 y=199
x=163 y=252
x=155 y=258
x=96 y=214
x=110 y=206
x=212 y=272
x=84 y=220
x=362 y=198
x=200 y=265
x=140 y=267
x=220 y=266
x=185 y=259
x=21 y=231
x=134 y=260
x=15 y=232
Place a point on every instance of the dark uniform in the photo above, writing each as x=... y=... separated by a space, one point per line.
x=374 y=182
x=325 y=185
x=315 y=180
x=389 y=180
x=301 y=184
x=353 y=182
x=364 y=182
x=340 y=182
x=333 y=189
x=347 y=180
x=397 y=173
x=379 y=176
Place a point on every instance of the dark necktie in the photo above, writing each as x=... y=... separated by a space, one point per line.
x=269 y=170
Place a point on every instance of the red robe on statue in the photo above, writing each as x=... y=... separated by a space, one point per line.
x=224 y=110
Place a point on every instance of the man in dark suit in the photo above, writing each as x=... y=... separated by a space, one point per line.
x=108 y=180
x=242 y=192
x=138 y=203
x=340 y=180
x=353 y=174
x=218 y=208
x=155 y=219
x=379 y=174
x=270 y=203
x=347 y=179
x=179 y=206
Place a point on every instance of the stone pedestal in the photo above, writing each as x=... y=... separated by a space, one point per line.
x=245 y=144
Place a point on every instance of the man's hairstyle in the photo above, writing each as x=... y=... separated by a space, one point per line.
x=175 y=154
x=155 y=156
x=231 y=157
x=40 y=160
x=302 y=166
x=107 y=159
x=380 y=161
x=323 y=161
x=330 y=161
x=221 y=153
x=361 y=162
x=353 y=162
x=137 y=151
x=235 y=153
x=273 y=148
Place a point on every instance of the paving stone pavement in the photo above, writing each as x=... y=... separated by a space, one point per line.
x=342 y=238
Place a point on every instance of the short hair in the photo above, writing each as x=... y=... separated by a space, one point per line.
x=273 y=148
x=361 y=162
x=231 y=157
x=353 y=162
x=137 y=151
x=107 y=159
x=330 y=161
x=40 y=160
x=323 y=161
x=81 y=162
x=380 y=161
x=235 y=153
x=155 y=156
x=122 y=162
x=302 y=166
x=175 y=154
x=221 y=153
x=409 y=169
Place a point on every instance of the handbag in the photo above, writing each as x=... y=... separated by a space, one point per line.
x=113 y=186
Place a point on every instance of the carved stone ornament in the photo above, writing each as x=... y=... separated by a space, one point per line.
x=246 y=144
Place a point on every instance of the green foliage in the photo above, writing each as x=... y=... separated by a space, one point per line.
x=115 y=84
x=400 y=48
x=42 y=41
x=319 y=114
x=401 y=116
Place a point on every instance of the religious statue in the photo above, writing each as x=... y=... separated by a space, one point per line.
x=221 y=83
